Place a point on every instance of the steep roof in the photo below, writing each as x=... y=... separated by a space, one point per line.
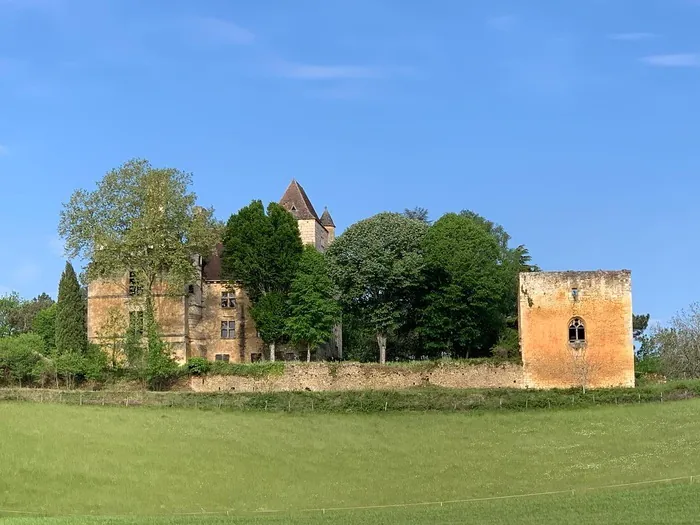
x=327 y=220
x=297 y=202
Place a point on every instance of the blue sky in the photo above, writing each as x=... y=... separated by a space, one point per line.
x=573 y=124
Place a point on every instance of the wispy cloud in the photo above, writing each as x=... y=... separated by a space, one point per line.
x=502 y=23
x=631 y=37
x=220 y=31
x=327 y=72
x=673 y=60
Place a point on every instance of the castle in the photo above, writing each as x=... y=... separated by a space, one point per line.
x=213 y=319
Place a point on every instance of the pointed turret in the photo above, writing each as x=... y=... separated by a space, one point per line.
x=297 y=202
x=326 y=219
x=328 y=224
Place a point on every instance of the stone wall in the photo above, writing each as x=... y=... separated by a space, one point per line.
x=549 y=301
x=355 y=376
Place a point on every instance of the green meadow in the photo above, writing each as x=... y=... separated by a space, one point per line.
x=91 y=464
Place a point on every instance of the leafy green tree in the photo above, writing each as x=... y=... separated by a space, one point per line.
x=513 y=261
x=19 y=357
x=377 y=265
x=464 y=307
x=71 y=324
x=9 y=308
x=270 y=316
x=44 y=325
x=313 y=307
x=261 y=253
x=143 y=220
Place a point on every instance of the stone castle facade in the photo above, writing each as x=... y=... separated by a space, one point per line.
x=213 y=319
x=576 y=329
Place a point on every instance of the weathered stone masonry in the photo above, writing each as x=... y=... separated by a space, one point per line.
x=576 y=329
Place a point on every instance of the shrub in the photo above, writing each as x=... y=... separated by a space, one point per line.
x=198 y=366
x=19 y=357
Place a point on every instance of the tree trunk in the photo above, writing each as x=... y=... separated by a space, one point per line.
x=381 y=340
x=272 y=351
x=308 y=353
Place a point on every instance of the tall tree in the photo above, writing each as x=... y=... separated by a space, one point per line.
x=464 y=308
x=313 y=307
x=377 y=266
x=513 y=260
x=143 y=220
x=261 y=253
x=71 y=324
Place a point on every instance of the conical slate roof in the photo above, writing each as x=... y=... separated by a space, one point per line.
x=297 y=202
x=327 y=220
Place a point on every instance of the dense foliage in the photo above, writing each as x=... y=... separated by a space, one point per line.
x=377 y=265
x=313 y=308
x=261 y=252
x=143 y=220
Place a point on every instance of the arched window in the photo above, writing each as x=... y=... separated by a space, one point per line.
x=577 y=331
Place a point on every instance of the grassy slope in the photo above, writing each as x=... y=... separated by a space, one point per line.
x=110 y=461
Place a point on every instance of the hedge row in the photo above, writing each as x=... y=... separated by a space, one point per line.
x=413 y=400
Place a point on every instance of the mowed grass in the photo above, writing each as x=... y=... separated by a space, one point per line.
x=148 y=465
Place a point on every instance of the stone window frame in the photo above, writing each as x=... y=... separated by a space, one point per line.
x=135 y=287
x=222 y=357
x=228 y=329
x=228 y=299
x=577 y=332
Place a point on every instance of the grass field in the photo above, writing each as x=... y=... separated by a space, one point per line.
x=148 y=465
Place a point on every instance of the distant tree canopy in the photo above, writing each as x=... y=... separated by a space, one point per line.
x=465 y=306
x=377 y=265
x=17 y=315
x=143 y=220
x=443 y=288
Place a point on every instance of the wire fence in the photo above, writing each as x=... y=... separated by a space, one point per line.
x=692 y=479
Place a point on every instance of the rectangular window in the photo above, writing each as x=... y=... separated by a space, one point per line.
x=255 y=357
x=228 y=299
x=223 y=357
x=136 y=323
x=134 y=286
x=228 y=329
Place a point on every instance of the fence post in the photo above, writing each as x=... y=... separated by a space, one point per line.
x=386 y=404
x=81 y=399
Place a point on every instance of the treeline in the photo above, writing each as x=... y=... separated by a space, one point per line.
x=403 y=287
x=44 y=342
